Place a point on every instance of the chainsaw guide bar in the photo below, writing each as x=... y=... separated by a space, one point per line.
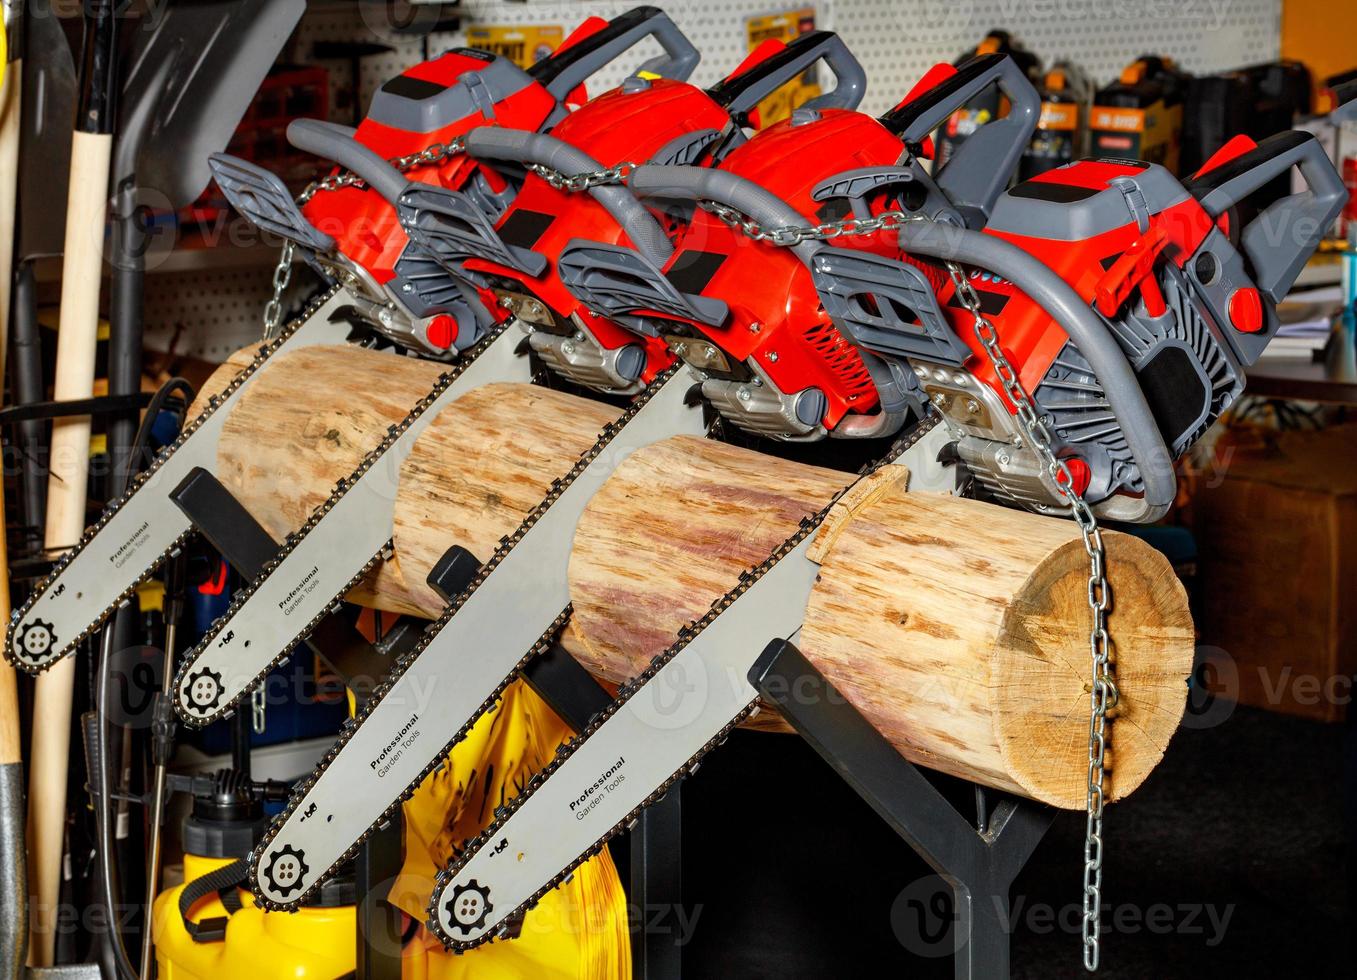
x=529 y=596
x=447 y=916
x=244 y=643
x=41 y=632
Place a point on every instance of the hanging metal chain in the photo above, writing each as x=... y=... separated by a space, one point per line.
x=282 y=275
x=574 y=183
x=431 y=156
x=1103 y=694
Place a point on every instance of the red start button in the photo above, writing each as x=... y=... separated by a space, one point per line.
x=1246 y=310
x=442 y=330
x=1080 y=473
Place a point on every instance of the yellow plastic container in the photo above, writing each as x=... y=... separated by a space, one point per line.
x=314 y=943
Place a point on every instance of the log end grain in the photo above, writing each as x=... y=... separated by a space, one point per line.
x=1041 y=669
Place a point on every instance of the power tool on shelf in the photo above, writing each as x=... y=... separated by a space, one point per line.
x=1140 y=115
x=349 y=533
x=988 y=104
x=1118 y=261
x=137 y=532
x=327 y=818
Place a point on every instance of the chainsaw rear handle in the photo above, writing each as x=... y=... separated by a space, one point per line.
x=564 y=71
x=335 y=142
x=981 y=168
x=1345 y=96
x=705 y=184
x=1283 y=236
x=1089 y=333
x=742 y=92
x=517 y=146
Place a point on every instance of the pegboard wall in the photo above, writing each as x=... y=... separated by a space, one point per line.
x=896 y=41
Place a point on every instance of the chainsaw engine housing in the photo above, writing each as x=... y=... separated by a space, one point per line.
x=644 y=120
x=745 y=315
x=414 y=300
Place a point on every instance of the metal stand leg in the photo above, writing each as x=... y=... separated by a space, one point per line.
x=379 y=922
x=978 y=863
x=656 y=884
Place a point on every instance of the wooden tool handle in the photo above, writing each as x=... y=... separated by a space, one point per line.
x=10 y=103
x=77 y=338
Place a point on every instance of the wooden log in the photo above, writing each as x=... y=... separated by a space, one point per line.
x=471 y=478
x=669 y=533
x=958 y=628
x=479 y=469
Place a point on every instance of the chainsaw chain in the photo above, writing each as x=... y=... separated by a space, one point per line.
x=808 y=526
x=403 y=663
x=295 y=538
x=265 y=351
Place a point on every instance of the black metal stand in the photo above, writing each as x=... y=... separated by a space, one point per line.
x=246 y=546
x=656 y=858
x=978 y=862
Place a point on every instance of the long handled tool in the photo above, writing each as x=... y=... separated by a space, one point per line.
x=11 y=103
x=11 y=768
x=49 y=88
x=87 y=202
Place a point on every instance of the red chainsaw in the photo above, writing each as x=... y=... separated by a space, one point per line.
x=1128 y=303
x=660 y=122
x=353 y=232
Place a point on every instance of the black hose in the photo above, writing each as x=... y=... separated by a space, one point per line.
x=100 y=780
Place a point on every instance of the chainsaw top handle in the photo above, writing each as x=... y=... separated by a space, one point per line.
x=743 y=91
x=1283 y=236
x=568 y=68
x=1345 y=101
x=335 y=142
x=723 y=187
x=517 y=146
x=980 y=169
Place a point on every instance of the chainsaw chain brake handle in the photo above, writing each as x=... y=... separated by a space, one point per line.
x=980 y=169
x=265 y=201
x=743 y=91
x=1283 y=236
x=571 y=66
